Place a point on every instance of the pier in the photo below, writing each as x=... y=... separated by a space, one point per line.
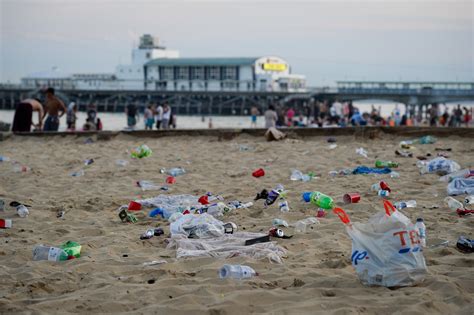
x=415 y=95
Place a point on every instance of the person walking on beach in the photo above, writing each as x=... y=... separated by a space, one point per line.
x=148 y=117
x=23 y=119
x=55 y=109
x=254 y=113
x=132 y=113
x=71 y=116
x=166 y=116
x=158 y=116
x=270 y=117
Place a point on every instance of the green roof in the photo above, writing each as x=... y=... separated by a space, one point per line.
x=202 y=62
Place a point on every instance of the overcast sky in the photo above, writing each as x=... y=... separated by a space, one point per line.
x=325 y=40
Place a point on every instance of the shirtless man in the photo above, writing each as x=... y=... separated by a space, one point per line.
x=23 y=119
x=53 y=105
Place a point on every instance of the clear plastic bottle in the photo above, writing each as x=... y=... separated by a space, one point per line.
x=420 y=225
x=279 y=222
x=147 y=185
x=449 y=177
x=405 y=204
x=22 y=211
x=176 y=171
x=453 y=204
x=296 y=175
x=394 y=174
x=362 y=151
x=284 y=207
x=17 y=168
x=122 y=163
x=43 y=252
x=236 y=272
x=4 y=158
x=78 y=173
x=383 y=193
x=301 y=225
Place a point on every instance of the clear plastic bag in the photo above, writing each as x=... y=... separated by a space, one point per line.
x=226 y=246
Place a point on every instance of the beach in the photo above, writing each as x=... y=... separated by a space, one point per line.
x=316 y=276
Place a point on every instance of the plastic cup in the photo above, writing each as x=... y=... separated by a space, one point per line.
x=134 y=206
x=258 y=173
x=170 y=180
x=351 y=198
x=204 y=200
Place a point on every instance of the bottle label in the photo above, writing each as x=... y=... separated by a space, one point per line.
x=53 y=253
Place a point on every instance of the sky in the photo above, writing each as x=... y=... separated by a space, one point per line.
x=417 y=40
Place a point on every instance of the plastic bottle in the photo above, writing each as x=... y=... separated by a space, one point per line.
x=449 y=177
x=468 y=202
x=279 y=222
x=22 y=211
x=43 y=252
x=121 y=162
x=405 y=204
x=78 y=173
x=4 y=158
x=5 y=224
x=301 y=225
x=362 y=151
x=383 y=193
x=296 y=175
x=17 y=168
x=284 y=207
x=236 y=272
x=383 y=164
x=420 y=225
x=147 y=185
x=165 y=214
x=88 y=161
x=375 y=187
x=426 y=140
x=453 y=204
x=176 y=171
x=319 y=199
x=394 y=174
x=217 y=209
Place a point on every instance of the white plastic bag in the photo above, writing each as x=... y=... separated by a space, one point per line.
x=197 y=226
x=386 y=251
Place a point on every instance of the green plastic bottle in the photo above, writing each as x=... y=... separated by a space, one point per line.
x=384 y=164
x=319 y=199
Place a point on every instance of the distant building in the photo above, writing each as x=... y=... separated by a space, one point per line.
x=221 y=74
x=154 y=67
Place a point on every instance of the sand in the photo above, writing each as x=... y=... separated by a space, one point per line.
x=315 y=278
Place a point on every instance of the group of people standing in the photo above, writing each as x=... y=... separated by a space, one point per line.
x=155 y=115
x=337 y=114
x=49 y=113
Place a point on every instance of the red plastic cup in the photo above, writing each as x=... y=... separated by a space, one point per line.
x=203 y=200
x=134 y=206
x=170 y=180
x=258 y=173
x=351 y=198
x=384 y=186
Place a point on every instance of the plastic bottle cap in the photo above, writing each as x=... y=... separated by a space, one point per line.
x=306 y=196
